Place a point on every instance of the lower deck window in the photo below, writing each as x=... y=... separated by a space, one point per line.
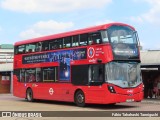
x=48 y=74
x=30 y=75
x=80 y=75
x=37 y=75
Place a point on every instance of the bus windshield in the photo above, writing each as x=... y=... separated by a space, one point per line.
x=122 y=34
x=123 y=74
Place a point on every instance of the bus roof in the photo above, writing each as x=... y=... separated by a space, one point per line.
x=71 y=33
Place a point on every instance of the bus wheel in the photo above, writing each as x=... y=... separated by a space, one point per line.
x=79 y=98
x=29 y=95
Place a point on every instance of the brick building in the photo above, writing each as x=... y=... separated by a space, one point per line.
x=6 y=67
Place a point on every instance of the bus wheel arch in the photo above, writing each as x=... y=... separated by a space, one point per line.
x=29 y=95
x=79 y=98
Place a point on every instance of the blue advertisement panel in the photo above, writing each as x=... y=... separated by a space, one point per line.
x=63 y=57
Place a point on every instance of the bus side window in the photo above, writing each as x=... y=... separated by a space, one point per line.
x=21 y=49
x=75 y=41
x=16 y=50
x=52 y=45
x=56 y=74
x=49 y=74
x=79 y=74
x=96 y=73
x=30 y=48
x=22 y=75
x=30 y=75
x=45 y=45
x=39 y=75
x=55 y=44
x=83 y=39
x=17 y=74
x=60 y=43
x=104 y=36
x=67 y=42
x=95 y=38
x=38 y=47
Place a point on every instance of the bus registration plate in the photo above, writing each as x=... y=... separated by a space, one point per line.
x=130 y=100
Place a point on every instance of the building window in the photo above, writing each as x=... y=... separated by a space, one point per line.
x=5 y=78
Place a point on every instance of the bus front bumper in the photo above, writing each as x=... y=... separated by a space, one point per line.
x=119 y=98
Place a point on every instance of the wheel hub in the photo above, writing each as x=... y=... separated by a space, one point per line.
x=80 y=98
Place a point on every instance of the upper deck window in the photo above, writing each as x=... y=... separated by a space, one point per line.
x=30 y=48
x=67 y=42
x=38 y=47
x=53 y=45
x=83 y=39
x=20 y=49
x=122 y=34
x=75 y=41
x=56 y=44
x=95 y=38
x=45 y=45
x=104 y=36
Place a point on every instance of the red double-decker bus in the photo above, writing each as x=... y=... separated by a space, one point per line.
x=99 y=65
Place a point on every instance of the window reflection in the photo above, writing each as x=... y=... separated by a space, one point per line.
x=122 y=34
x=123 y=74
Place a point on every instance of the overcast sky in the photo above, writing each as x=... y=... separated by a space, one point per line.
x=25 y=19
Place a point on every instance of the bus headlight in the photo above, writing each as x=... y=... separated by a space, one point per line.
x=111 y=89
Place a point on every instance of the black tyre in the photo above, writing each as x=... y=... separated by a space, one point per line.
x=80 y=98
x=29 y=95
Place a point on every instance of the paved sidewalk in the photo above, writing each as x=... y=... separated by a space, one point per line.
x=146 y=100
x=151 y=100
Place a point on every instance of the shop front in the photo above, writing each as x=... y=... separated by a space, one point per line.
x=6 y=78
